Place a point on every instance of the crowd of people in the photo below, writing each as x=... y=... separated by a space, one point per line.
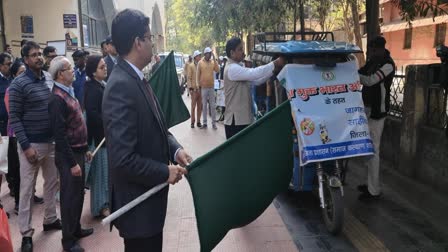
x=52 y=112
x=56 y=114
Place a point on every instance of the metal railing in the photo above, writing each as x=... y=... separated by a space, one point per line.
x=396 y=96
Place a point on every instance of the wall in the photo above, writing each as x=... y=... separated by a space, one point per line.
x=47 y=19
x=414 y=149
x=422 y=50
x=433 y=158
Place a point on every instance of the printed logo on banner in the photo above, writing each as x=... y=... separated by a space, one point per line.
x=328 y=76
x=332 y=107
x=324 y=134
x=307 y=126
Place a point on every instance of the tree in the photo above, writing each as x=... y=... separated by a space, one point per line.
x=357 y=30
x=182 y=32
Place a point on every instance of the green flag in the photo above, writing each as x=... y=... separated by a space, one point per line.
x=234 y=183
x=165 y=84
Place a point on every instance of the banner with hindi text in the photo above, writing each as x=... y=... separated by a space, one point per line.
x=328 y=111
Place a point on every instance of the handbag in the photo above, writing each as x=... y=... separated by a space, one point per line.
x=4 y=144
x=5 y=235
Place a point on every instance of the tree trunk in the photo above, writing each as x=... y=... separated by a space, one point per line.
x=302 y=19
x=357 y=31
x=372 y=16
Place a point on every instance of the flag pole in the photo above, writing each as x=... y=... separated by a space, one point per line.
x=133 y=203
x=98 y=147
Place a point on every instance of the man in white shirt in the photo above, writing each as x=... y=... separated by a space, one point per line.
x=238 y=79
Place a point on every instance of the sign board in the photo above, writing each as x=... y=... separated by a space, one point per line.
x=60 y=46
x=27 y=27
x=70 y=21
x=328 y=111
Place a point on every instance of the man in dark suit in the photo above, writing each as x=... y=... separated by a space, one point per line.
x=140 y=148
x=111 y=58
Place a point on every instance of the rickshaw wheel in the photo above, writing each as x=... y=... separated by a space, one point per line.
x=333 y=213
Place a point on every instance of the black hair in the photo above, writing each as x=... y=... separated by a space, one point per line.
x=103 y=43
x=3 y=57
x=92 y=65
x=6 y=46
x=28 y=46
x=15 y=67
x=126 y=26
x=23 y=42
x=48 y=50
x=232 y=44
x=377 y=42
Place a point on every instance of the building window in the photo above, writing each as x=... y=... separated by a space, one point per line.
x=407 y=38
x=439 y=38
x=93 y=23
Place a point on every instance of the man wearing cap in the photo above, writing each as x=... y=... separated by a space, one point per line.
x=194 y=89
x=79 y=57
x=204 y=76
x=111 y=58
x=376 y=77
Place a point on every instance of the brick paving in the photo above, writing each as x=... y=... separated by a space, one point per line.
x=267 y=233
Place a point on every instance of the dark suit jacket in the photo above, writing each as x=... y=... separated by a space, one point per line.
x=93 y=99
x=139 y=149
x=110 y=66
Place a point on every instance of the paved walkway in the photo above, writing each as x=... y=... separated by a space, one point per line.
x=267 y=233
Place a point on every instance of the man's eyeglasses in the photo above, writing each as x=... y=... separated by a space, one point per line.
x=35 y=55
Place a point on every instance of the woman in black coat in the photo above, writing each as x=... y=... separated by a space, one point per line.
x=96 y=70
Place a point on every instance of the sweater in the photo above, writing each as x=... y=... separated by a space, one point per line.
x=67 y=125
x=28 y=105
x=204 y=74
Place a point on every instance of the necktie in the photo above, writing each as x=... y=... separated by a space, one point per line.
x=152 y=100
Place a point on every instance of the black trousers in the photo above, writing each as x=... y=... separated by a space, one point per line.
x=149 y=244
x=13 y=176
x=72 y=200
x=233 y=129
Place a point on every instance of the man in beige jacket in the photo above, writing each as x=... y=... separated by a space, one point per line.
x=206 y=69
x=194 y=89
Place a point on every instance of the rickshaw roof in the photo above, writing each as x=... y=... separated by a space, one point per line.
x=298 y=47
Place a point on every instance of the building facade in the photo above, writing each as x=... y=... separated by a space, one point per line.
x=413 y=43
x=71 y=23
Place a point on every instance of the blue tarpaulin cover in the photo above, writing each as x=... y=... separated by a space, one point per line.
x=306 y=47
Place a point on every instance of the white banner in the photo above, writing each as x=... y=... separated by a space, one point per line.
x=328 y=111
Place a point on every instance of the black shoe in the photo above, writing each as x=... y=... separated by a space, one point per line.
x=27 y=244
x=368 y=197
x=199 y=125
x=75 y=248
x=84 y=233
x=38 y=200
x=192 y=125
x=363 y=188
x=204 y=126
x=53 y=226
